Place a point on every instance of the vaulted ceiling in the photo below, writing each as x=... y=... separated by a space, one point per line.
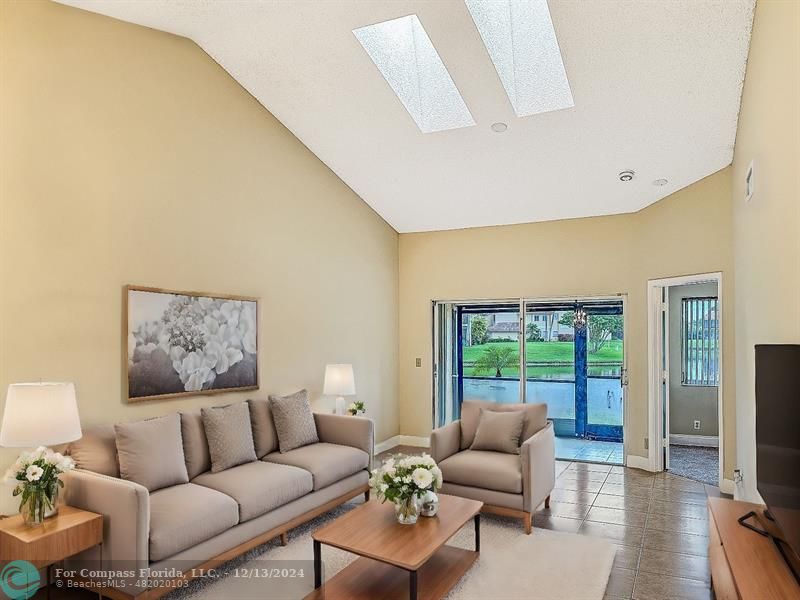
x=656 y=89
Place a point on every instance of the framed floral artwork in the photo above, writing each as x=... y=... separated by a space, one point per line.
x=181 y=343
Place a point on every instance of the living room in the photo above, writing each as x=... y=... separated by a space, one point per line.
x=341 y=240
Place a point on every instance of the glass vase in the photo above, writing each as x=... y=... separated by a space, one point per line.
x=38 y=503
x=406 y=510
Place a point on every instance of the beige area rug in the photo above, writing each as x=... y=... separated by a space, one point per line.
x=545 y=565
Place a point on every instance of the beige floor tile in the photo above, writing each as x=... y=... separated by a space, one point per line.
x=682 y=524
x=627 y=557
x=556 y=523
x=632 y=518
x=620 y=583
x=671 y=541
x=682 y=496
x=564 y=509
x=578 y=485
x=617 y=489
x=571 y=496
x=666 y=507
x=674 y=564
x=650 y=586
x=622 y=502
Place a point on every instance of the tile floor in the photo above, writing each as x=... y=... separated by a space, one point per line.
x=658 y=521
x=568 y=448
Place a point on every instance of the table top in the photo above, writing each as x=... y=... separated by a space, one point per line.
x=372 y=530
x=71 y=531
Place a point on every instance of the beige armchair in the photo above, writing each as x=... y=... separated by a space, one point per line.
x=507 y=484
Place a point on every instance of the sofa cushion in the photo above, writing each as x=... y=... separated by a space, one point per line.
x=484 y=469
x=259 y=487
x=294 y=421
x=535 y=418
x=195 y=444
x=499 y=431
x=184 y=515
x=265 y=437
x=327 y=463
x=229 y=434
x=96 y=450
x=151 y=452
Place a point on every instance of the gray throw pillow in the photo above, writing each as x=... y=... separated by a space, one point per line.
x=499 y=431
x=294 y=421
x=230 y=437
x=96 y=450
x=151 y=452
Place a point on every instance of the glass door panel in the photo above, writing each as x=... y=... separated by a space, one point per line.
x=604 y=390
x=489 y=345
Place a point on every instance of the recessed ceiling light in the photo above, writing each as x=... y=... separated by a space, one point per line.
x=522 y=44
x=626 y=175
x=499 y=127
x=660 y=182
x=406 y=58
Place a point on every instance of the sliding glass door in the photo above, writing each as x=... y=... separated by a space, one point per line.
x=568 y=355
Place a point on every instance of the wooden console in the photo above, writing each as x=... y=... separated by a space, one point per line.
x=746 y=565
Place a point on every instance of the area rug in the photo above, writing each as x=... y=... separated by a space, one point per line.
x=695 y=462
x=545 y=565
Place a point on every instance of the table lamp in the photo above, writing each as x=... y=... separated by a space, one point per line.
x=40 y=414
x=339 y=382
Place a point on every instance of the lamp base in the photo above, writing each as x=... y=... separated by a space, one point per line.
x=340 y=406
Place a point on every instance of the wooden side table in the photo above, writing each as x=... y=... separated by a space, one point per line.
x=71 y=531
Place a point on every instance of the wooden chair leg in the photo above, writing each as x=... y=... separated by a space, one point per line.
x=526 y=520
x=366 y=496
x=547 y=501
x=284 y=539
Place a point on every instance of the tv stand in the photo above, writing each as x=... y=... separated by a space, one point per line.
x=745 y=563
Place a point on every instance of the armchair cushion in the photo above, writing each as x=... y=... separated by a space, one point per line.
x=499 y=431
x=182 y=516
x=535 y=418
x=327 y=463
x=484 y=469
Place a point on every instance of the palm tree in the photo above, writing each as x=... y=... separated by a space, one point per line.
x=496 y=358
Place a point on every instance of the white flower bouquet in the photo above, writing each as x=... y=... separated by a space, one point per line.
x=357 y=408
x=38 y=480
x=404 y=480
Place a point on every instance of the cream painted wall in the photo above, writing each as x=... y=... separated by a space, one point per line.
x=687 y=232
x=129 y=156
x=767 y=229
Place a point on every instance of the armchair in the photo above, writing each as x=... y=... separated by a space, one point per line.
x=508 y=484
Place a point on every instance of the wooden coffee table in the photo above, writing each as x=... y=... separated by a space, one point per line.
x=397 y=561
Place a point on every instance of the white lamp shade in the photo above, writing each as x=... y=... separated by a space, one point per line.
x=40 y=414
x=339 y=380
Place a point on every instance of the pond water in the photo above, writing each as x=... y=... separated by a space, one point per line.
x=604 y=396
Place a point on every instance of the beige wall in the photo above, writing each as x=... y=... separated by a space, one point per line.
x=688 y=232
x=129 y=156
x=766 y=230
x=688 y=402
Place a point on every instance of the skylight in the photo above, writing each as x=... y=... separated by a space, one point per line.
x=522 y=44
x=405 y=56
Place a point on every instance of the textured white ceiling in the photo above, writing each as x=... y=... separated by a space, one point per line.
x=656 y=86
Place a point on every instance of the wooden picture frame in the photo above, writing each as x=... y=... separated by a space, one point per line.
x=179 y=343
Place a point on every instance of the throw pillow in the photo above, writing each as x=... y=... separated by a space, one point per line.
x=151 y=452
x=535 y=418
x=96 y=451
x=294 y=421
x=499 y=431
x=264 y=436
x=230 y=436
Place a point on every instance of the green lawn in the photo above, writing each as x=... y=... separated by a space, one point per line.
x=546 y=352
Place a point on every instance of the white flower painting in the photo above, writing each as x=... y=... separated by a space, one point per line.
x=181 y=343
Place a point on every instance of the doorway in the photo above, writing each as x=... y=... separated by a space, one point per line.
x=566 y=354
x=685 y=357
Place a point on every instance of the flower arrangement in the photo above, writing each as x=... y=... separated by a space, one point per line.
x=404 y=480
x=37 y=476
x=357 y=408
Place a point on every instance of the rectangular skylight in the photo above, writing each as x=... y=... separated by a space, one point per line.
x=522 y=44
x=405 y=56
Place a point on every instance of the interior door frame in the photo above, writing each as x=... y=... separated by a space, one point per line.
x=657 y=409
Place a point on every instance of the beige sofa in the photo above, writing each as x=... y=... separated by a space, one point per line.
x=217 y=516
x=508 y=484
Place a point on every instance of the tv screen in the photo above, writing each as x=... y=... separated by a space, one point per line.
x=778 y=435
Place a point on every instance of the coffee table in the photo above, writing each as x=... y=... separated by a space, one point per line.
x=397 y=561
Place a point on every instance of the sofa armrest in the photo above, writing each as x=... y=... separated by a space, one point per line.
x=538 y=455
x=446 y=441
x=358 y=432
x=125 y=507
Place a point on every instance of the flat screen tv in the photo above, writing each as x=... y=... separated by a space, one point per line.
x=778 y=436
